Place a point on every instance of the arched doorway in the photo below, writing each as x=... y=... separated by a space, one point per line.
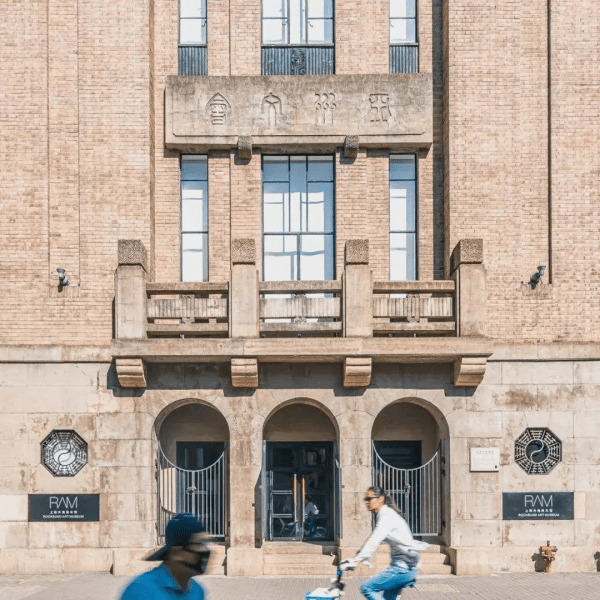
x=408 y=463
x=192 y=466
x=301 y=475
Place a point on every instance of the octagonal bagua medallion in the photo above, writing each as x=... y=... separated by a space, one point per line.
x=64 y=453
x=538 y=450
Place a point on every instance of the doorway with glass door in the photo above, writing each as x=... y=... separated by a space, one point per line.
x=300 y=491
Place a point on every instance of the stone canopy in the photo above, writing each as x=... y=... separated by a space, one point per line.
x=384 y=111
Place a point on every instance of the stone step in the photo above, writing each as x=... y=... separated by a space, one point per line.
x=435 y=569
x=299 y=559
x=434 y=559
x=434 y=549
x=216 y=562
x=298 y=548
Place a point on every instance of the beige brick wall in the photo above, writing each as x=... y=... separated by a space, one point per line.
x=245 y=35
x=246 y=199
x=74 y=162
x=82 y=159
x=218 y=37
x=219 y=222
x=166 y=192
x=361 y=37
x=497 y=172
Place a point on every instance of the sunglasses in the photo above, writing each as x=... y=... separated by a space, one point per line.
x=369 y=498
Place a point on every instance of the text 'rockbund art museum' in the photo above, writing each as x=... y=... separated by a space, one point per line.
x=258 y=255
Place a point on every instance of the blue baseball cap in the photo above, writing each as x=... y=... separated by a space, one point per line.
x=179 y=531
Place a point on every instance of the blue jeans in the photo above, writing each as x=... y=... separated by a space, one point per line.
x=390 y=582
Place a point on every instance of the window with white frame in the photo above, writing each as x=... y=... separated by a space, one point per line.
x=287 y=22
x=403 y=21
x=192 y=22
x=403 y=217
x=194 y=218
x=298 y=218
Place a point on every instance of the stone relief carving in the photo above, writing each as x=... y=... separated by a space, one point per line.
x=380 y=107
x=325 y=105
x=271 y=104
x=217 y=108
x=298 y=61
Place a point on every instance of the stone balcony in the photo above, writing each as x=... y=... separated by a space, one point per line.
x=321 y=112
x=246 y=322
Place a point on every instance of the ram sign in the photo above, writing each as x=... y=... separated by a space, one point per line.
x=64 y=507
x=551 y=506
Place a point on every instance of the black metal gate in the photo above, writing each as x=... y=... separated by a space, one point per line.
x=201 y=492
x=416 y=492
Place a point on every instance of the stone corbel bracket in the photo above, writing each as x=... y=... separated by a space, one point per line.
x=351 y=145
x=357 y=372
x=131 y=372
x=244 y=372
x=469 y=371
x=244 y=147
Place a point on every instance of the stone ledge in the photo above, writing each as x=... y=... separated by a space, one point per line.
x=55 y=354
x=384 y=349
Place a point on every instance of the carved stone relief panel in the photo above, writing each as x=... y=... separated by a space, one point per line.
x=391 y=111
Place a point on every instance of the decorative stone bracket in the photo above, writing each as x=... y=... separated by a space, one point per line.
x=469 y=371
x=131 y=372
x=351 y=144
x=357 y=372
x=244 y=372
x=244 y=147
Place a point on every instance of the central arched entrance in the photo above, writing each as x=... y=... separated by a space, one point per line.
x=300 y=475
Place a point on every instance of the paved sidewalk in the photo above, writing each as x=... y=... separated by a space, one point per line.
x=521 y=586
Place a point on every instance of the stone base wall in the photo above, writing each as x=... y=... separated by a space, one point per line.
x=119 y=428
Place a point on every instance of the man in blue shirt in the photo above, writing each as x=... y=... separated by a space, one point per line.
x=184 y=556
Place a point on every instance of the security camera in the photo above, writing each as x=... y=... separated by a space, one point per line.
x=63 y=280
x=537 y=276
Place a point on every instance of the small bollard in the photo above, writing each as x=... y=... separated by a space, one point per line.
x=548 y=555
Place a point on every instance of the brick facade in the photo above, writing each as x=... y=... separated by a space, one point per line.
x=512 y=158
x=83 y=163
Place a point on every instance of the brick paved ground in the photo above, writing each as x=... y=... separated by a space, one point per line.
x=100 y=586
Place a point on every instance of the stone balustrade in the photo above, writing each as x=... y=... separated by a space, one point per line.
x=358 y=319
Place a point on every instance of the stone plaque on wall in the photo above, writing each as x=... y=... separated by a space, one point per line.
x=485 y=460
x=64 y=507
x=379 y=111
x=553 y=506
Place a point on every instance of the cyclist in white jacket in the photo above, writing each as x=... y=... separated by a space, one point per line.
x=405 y=551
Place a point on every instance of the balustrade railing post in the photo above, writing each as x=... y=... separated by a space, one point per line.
x=358 y=310
x=130 y=309
x=130 y=291
x=244 y=291
x=469 y=274
x=358 y=290
x=244 y=302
